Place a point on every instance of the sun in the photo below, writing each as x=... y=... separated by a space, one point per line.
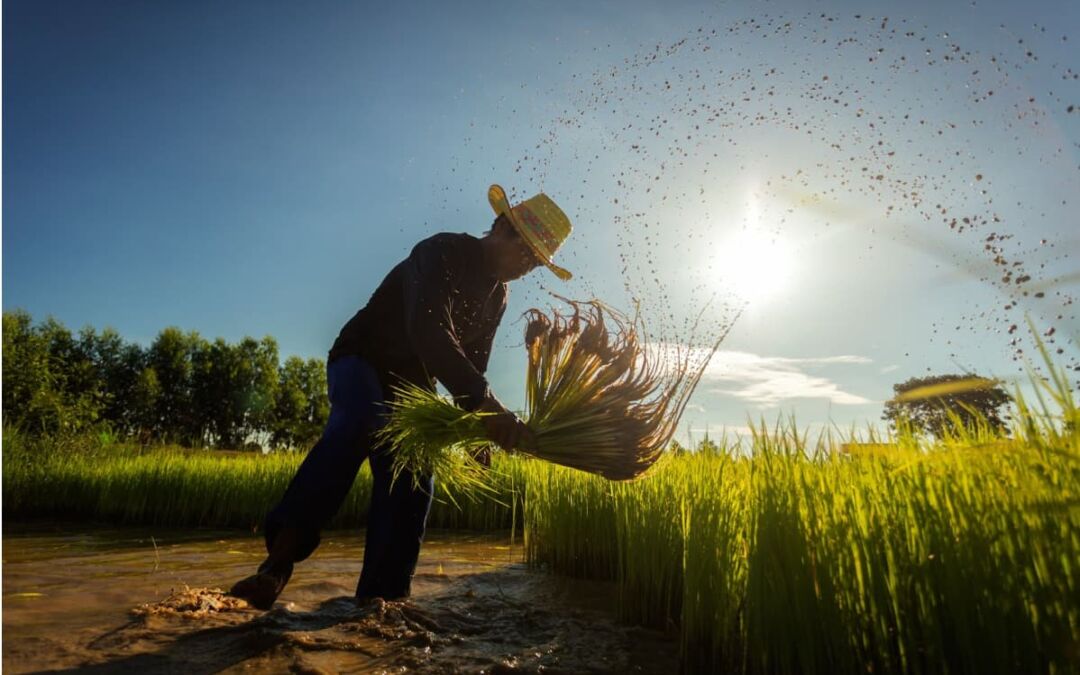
x=754 y=262
x=756 y=266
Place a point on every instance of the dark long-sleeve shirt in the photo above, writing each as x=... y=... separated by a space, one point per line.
x=434 y=316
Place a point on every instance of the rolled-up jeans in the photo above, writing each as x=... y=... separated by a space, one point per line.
x=399 y=509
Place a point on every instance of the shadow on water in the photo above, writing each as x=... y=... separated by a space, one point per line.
x=219 y=649
x=244 y=636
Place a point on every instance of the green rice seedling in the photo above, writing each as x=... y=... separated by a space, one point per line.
x=650 y=570
x=432 y=436
x=569 y=519
x=596 y=399
x=953 y=555
x=714 y=515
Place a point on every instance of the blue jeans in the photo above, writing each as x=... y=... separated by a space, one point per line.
x=398 y=512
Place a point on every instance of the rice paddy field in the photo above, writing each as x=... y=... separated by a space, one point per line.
x=780 y=555
x=867 y=189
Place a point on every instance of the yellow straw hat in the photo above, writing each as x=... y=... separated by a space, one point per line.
x=541 y=223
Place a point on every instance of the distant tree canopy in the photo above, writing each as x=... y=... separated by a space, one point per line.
x=936 y=403
x=181 y=389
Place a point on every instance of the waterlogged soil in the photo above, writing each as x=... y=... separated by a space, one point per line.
x=104 y=601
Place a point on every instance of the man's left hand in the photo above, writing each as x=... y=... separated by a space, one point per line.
x=483 y=456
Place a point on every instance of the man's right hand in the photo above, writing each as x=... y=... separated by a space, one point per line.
x=503 y=427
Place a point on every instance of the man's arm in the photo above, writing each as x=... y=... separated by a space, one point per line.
x=479 y=350
x=429 y=291
x=429 y=283
x=503 y=427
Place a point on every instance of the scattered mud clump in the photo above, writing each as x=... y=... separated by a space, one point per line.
x=195 y=603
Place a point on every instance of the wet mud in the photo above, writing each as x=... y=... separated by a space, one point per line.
x=476 y=608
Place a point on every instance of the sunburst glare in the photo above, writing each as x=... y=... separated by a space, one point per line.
x=754 y=262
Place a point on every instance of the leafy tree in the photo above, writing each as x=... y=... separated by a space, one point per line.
x=708 y=446
x=318 y=402
x=290 y=406
x=171 y=356
x=125 y=379
x=30 y=396
x=301 y=408
x=234 y=388
x=935 y=404
x=256 y=390
x=50 y=384
x=82 y=396
x=117 y=366
x=144 y=405
x=181 y=389
x=210 y=390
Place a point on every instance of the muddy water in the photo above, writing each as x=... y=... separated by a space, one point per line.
x=150 y=601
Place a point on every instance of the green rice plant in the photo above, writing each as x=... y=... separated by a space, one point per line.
x=650 y=570
x=73 y=480
x=784 y=554
x=570 y=518
x=596 y=400
x=715 y=548
x=432 y=436
x=954 y=554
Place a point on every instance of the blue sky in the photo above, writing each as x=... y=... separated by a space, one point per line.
x=255 y=168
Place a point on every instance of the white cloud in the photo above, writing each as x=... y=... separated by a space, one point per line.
x=769 y=380
x=765 y=380
x=889 y=369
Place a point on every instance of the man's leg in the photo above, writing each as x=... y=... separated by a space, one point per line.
x=381 y=519
x=414 y=505
x=322 y=482
x=396 y=524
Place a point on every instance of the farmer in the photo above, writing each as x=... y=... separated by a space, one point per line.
x=433 y=318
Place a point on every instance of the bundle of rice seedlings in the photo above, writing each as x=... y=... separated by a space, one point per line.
x=433 y=436
x=599 y=398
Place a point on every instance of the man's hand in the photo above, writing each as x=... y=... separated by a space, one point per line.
x=503 y=427
x=482 y=456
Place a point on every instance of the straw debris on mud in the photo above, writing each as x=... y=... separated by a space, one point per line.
x=192 y=603
x=507 y=620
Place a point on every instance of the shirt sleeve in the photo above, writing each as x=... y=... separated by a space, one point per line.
x=430 y=287
x=479 y=350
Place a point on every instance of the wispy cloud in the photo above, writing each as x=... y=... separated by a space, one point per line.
x=889 y=369
x=769 y=380
x=720 y=430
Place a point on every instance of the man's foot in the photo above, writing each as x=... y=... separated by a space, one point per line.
x=369 y=602
x=262 y=588
x=385 y=597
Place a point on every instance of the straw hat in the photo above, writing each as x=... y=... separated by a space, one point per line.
x=541 y=223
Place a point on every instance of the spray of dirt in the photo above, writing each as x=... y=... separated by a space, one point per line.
x=958 y=148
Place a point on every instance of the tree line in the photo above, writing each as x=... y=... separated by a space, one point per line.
x=181 y=389
x=187 y=390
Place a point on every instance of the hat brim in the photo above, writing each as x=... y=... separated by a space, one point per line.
x=501 y=205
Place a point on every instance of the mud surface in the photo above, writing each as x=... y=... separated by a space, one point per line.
x=136 y=601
